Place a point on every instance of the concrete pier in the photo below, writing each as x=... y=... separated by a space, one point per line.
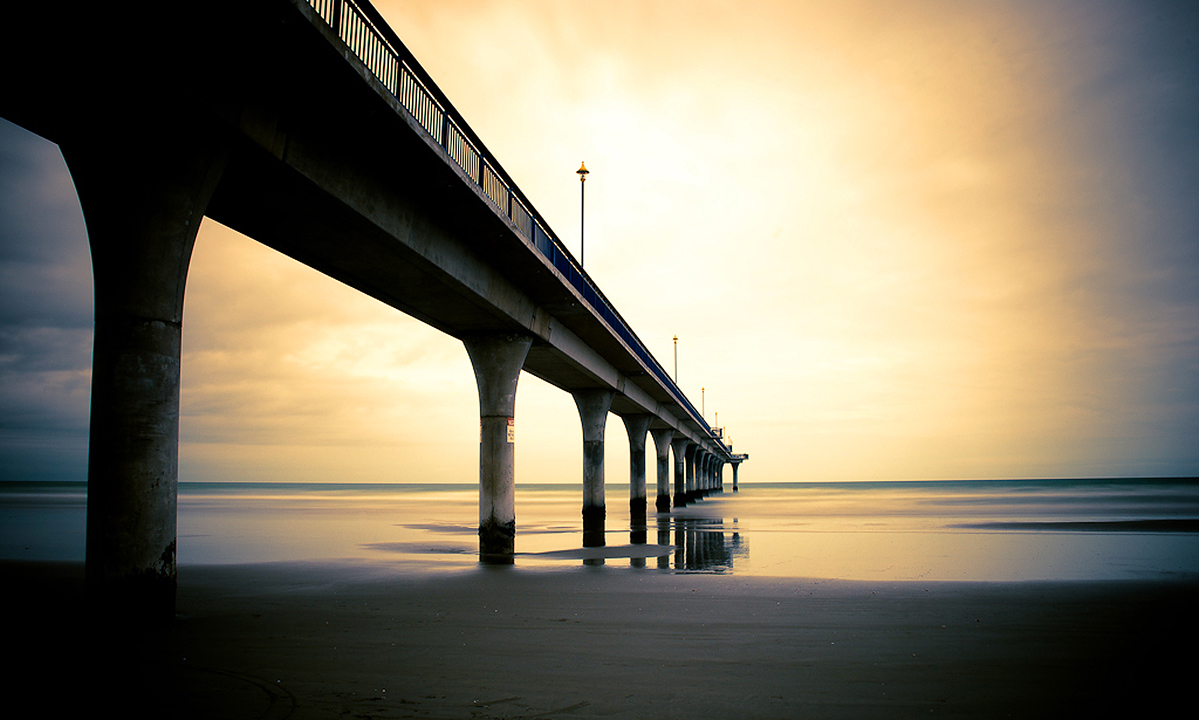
x=662 y=440
x=637 y=427
x=593 y=405
x=497 y=360
x=349 y=160
x=689 y=466
x=680 y=446
x=142 y=202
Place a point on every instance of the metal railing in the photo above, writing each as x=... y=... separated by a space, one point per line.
x=376 y=45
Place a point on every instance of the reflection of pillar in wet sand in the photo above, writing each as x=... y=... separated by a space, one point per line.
x=663 y=539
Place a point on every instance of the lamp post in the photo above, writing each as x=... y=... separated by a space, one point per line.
x=676 y=359
x=583 y=172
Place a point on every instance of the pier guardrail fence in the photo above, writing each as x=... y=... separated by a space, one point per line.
x=367 y=35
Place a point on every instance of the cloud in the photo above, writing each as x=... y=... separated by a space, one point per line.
x=45 y=313
x=921 y=240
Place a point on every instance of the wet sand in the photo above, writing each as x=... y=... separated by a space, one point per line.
x=358 y=641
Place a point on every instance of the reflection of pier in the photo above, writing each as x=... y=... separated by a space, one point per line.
x=684 y=544
x=701 y=544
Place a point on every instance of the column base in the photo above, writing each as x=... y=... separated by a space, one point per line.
x=637 y=511
x=594 y=519
x=497 y=543
x=637 y=521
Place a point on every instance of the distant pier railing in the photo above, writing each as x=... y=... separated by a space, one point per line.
x=367 y=35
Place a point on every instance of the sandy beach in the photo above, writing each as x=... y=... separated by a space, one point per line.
x=356 y=640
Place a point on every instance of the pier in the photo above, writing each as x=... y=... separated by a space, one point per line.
x=309 y=127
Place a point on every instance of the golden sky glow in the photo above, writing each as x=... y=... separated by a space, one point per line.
x=895 y=240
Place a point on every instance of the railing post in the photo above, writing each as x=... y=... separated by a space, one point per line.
x=336 y=20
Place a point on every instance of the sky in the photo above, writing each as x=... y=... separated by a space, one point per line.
x=896 y=240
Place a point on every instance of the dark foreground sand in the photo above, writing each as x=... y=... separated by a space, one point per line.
x=307 y=641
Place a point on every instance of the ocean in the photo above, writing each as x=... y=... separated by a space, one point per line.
x=978 y=530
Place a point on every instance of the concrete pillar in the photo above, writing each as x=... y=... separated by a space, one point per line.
x=143 y=198
x=689 y=483
x=680 y=444
x=662 y=440
x=497 y=360
x=637 y=427
x=593 y=405
x=736 y=464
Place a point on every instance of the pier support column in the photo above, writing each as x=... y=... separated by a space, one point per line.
x=662 y=440
x=689 y=483
x=143 y=198
x=736 y=464
x=680 y=445
x=497 y=360
x=593 y=405
x=637 y=427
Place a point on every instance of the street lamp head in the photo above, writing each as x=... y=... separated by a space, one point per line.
x=583 y=172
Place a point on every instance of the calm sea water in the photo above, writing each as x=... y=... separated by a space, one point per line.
x=937 y=530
